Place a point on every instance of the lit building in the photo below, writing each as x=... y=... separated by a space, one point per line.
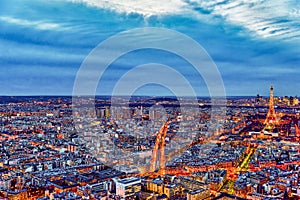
x=64 y=185
x=172 y=190
x=107 y=112
x=198 y=194
x=98 y=187
x=128 y=188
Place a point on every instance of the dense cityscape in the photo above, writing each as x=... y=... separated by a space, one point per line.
x=253 y=154
x=149 y=100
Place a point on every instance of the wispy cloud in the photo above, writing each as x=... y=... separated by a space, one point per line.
x=41 y=25
x=263 y=18
x=144 y=7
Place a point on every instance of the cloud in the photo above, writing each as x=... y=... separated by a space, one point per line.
x=142 y=7
x=30 y=54
x=41 y=25
x=263 y=18
x=246 y=39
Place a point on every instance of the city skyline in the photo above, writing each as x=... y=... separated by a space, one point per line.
x=53 y=150
x=149 y=99
x=46 y=42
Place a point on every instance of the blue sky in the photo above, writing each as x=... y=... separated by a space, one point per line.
x=254 y=43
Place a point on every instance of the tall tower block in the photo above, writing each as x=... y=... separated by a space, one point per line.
x=271 y=119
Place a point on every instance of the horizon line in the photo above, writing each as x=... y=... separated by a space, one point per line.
x=66 y=95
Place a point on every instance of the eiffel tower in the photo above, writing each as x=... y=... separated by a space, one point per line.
x=271 y=119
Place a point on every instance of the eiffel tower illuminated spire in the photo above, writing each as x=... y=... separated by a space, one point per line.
x=271 y=119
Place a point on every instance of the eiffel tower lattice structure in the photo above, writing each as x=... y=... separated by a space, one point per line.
x=271 y=120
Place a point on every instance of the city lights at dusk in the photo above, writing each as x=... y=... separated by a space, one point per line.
x=149 y=100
